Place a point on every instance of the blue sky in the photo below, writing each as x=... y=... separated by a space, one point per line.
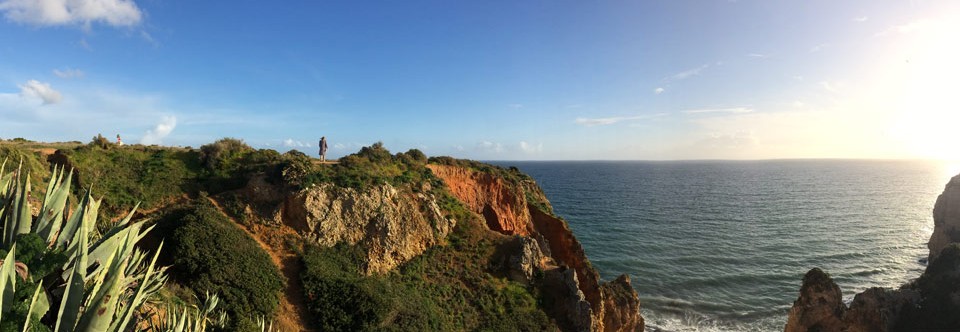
x=491 y=79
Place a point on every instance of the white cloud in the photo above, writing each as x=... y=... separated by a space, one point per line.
x=291 y=143
x=658 y=91
x=798 y=104
x=161 y=130
x=487 y=146
x=860 y=19
x=515 y=106
x=590 y=122
x=531 y=148
x=34 y=88
x=733 y=110
x=688 y=73
x=72 y=12
x=69 y=73
x=758 y=55
x=352 y=146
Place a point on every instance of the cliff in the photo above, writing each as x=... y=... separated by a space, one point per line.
x=376 y=241
x=929 y=303
x=391 y=224
x=512 y=204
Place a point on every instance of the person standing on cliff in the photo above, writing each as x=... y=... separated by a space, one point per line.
x=323 y=148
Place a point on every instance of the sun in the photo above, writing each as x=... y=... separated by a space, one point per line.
x=927 y=117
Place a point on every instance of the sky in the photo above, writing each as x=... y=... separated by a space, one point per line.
x=492 y=80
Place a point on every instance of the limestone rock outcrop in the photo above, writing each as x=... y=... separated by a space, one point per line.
x=589 y=305
x=393 y=225
x=946 y=219
x=622 y=305
x=930 y=303
x=819 y=307
x=527 y=259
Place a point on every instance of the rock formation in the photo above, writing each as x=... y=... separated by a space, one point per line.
x=503 y=208
x=393 y=225
x=946 y=219
x=930 y=303
x=581 y=302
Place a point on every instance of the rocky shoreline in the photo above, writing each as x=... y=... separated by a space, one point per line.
x=929 y=303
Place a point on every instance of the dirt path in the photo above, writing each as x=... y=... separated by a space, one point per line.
x=292 y=315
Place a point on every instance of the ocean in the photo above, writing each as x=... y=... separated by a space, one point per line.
x=724 y=245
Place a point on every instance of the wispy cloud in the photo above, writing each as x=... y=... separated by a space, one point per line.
x=831 y=86
x=920 y=25
x=515 y=106
x=149 y=39
x=658 y=91
x=530 y=148
x=69 y=73
x=689 y=73
x=118 y=13
x=732 y=110
x=758 y=55
x=34 y=88
x=818 y=48
x=590 y=122
x=860 y=19
x=291 y=143
x=160 y=131
x=490 y=147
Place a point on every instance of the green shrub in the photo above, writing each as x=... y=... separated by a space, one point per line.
x=222 y=154
x=374 y=165
x=211 y=254
x=100 y=142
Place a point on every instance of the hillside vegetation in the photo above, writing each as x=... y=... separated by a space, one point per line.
x=452 y=287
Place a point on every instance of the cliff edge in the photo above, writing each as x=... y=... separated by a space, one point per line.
x=512 y=204
x=930 y=303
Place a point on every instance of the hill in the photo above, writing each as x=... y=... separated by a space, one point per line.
x=378 y=241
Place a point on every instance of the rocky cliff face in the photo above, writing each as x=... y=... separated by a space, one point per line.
x=393 y=225
x=946 y=219
x=581 y=302
x=501 y=206
x=930 y=303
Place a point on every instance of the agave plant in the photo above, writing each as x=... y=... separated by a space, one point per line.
x=189 y=318
x=103 y=282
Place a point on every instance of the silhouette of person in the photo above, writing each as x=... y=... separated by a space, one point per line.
x=323 y=148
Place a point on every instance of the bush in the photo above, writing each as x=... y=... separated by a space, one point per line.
x=210 y=254
x=222 y=154
x=100 y=142
x=374 y=165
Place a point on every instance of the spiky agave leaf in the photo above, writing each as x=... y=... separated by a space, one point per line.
x=38 y=306
x=8 y=282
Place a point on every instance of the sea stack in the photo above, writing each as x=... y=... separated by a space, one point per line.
x=929 y=303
